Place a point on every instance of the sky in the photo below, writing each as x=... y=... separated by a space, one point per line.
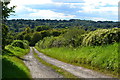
x=97 y=10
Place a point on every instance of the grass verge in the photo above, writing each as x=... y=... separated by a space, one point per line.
x=57 y=69
x=100 y=58
x=12 y=66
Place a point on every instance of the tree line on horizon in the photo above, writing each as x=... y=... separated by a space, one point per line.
x=19 y=25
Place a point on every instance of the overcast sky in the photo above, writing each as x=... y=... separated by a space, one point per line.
x=66 y=9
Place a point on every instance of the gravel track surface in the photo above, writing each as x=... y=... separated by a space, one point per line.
x=39 y=70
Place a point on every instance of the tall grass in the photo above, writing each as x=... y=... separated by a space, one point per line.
x=16 y=51
x=103 y=57
x=14 y=67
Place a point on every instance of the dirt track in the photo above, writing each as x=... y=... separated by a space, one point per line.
x=80 y=72
x=39 y=70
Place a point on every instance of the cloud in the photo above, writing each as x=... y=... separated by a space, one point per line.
x=69 y=1
x=66 y=9
x=100 y=9
x=48 y=14
x=29 y=2
x=99 y=5
x=105 y=10
x=101 y=2
x=42 y=14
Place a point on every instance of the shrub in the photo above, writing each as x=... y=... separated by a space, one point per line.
x=71 y=38
x=46 y=42
x=19 y=43
x=101 y=36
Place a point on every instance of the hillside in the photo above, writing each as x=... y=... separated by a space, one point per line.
x=19 y=25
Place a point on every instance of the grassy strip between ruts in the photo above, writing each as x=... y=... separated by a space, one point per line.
x=95 y=58
x=13 y=67
x=57 y=69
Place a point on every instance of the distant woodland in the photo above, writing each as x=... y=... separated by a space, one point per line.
x=19 y=25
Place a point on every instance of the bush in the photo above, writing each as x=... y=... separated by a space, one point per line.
x=101 y=36
x=46 y=42
x=77 y=37
x=72 y=38
x=19 y=43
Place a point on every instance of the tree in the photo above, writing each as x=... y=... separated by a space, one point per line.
x=41 y=28
x=27 y=37
x=27 y=30
x=35 y=38
x=4 y=35
x=6 y=12
x=20 y=36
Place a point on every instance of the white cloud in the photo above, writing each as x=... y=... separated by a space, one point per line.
x=100 y=7
x=88 y=6
x=91 y=5
x=101 y=2
x=48 y=14
x=105 y=10
x=29 y=2
x=37 y=13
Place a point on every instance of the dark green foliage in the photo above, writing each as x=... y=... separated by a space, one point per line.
x=41 y=28
x=71 y=38
x=27 y=37
x=10 y=37
x=56 y=33
x=77 y=37
x=6 y=11
x=42 y=24
x=4 y=34
x=46 y=42
x=20 y=36
x=35 y=38
x=27 y=30
x=19 y=43
x=45 y=33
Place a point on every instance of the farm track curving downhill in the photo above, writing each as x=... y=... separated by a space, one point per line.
x=39 y=70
